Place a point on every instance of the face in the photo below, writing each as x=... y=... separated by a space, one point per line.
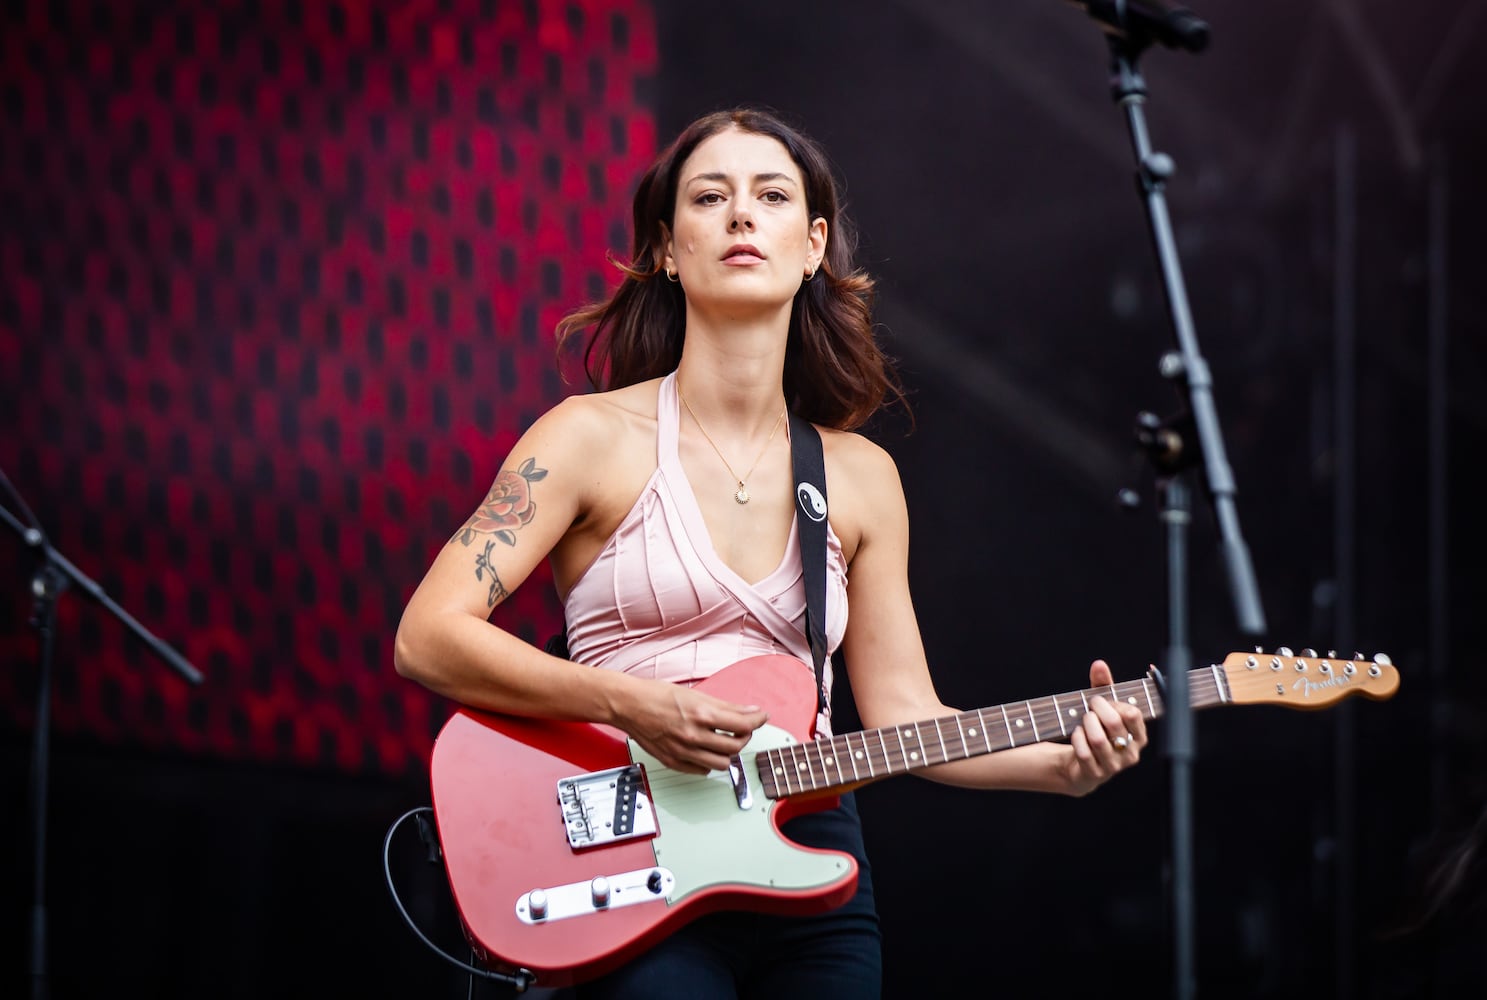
x=742 y=232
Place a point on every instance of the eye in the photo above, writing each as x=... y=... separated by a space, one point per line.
x=775 y=197
x=708 y=198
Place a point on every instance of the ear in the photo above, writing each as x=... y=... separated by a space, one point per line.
x=817 y=240
x=665 y=249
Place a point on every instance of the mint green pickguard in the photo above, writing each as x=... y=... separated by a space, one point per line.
x=707 y=841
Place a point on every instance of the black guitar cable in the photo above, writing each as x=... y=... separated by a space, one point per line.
x=519 y=982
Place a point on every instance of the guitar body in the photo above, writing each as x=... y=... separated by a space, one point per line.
x=506 y=829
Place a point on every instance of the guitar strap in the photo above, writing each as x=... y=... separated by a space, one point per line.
x=810 y=498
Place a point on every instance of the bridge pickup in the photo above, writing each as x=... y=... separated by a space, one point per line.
x=606 y=807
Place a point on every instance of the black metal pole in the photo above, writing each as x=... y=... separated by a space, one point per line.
x=1179 y=743
x=1195 y=441
x=1189 y=441
x=46 y=586
x=1345 y=462
x=1153 y=171
x=52 y=578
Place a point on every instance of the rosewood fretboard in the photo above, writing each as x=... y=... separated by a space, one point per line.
x=826 y=766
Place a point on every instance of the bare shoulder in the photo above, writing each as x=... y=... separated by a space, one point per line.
x=861 y=461
x=629 y=402
x=590 y=448
x=606 y=445
x=863 y=487
x=587 y=419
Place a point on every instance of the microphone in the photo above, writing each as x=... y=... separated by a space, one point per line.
x=1158 y=20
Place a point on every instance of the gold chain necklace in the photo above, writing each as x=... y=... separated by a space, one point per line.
x=740 y=495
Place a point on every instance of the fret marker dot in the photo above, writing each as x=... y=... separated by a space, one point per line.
x=908 y=734
x=1073 y=713
x=913 y=754
x=1019 y=723
x=1131 y=700
x=972 y=730
x=800 y=766
x=779 y=770
x=830 y=762
x=858 y=755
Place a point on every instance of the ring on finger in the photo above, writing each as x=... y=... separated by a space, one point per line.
x=1121 y=741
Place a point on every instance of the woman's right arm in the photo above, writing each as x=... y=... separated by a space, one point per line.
x=447 y=642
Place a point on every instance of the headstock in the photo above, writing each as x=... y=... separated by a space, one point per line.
x=1307 y=681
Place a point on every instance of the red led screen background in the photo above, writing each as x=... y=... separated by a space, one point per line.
x=279 y=288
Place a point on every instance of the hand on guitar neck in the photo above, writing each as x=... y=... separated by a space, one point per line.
x=1108 y=738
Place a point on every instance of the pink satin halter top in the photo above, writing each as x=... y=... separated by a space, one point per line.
x=659 y=602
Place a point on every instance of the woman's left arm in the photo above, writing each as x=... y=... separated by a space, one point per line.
x=885 y=659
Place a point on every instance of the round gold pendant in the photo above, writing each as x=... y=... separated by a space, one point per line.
x=741 y=495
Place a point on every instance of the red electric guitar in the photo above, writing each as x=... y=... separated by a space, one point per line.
x=570 y=849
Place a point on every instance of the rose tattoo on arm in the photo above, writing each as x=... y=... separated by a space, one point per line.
x=507 y=507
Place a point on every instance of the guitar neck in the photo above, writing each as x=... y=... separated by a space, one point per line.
x=842 y=762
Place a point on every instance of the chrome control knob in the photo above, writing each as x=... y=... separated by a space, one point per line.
x=537 y=903
x=599 y=888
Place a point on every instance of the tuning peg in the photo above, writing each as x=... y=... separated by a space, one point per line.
x=1260 y=649
x=1331 y=654
x=1382 y=659
x=1284 y=651
x=1358 y=656
x=1308 y=651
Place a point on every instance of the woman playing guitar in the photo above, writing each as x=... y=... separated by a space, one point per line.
x=666 y=506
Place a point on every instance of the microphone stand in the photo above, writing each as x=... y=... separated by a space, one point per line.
x=1175 y=446
x=51 y=579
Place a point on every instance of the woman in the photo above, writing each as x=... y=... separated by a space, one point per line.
x=665 y=505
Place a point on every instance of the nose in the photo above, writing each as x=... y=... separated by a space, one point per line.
x=741 y=220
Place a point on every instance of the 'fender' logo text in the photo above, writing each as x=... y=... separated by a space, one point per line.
x=1306 y=685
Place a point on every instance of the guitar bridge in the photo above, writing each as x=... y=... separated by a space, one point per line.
x=606 y=807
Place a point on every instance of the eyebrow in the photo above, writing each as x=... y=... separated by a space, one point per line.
x=716 y=176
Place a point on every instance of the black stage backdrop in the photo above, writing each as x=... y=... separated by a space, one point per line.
x=279 y=284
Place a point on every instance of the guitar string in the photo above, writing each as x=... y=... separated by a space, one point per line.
x=947 y=741
x=1045 y=718
x=1208 y=686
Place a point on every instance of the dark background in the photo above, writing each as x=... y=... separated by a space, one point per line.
x=278 y=287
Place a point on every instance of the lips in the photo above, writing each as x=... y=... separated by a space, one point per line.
x=743 y=253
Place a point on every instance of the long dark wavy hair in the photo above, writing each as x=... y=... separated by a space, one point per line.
x=836 y=374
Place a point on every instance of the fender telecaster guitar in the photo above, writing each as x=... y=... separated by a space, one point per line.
x=569 y=849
